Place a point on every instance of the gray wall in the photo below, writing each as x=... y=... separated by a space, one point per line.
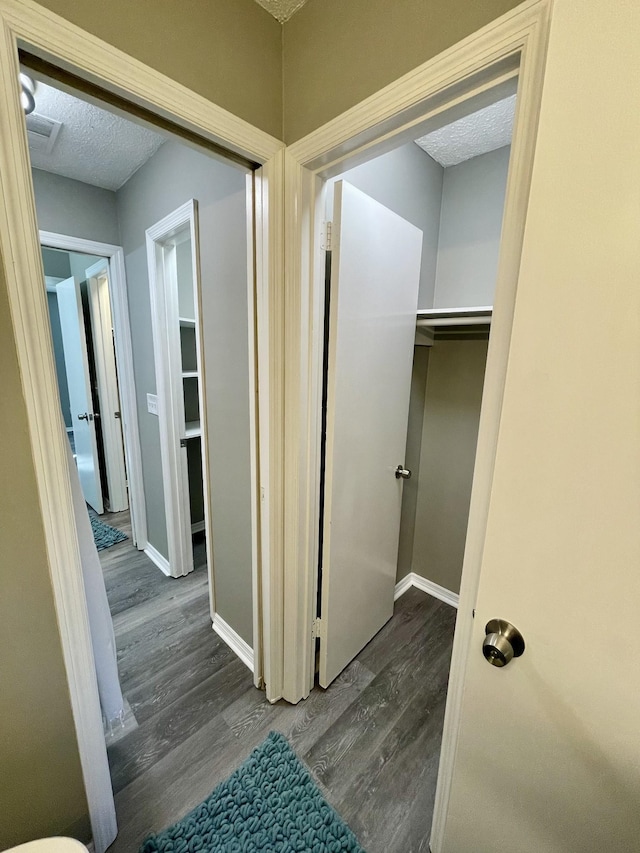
x=70 y=207
x=412 y=461
x=56 y=264
x=58 y=354
x=470 y=225
x=453 y=395
x=175 y=174
x=408 y=182
x=459 y=210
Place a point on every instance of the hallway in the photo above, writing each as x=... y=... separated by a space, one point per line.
x=371 y=740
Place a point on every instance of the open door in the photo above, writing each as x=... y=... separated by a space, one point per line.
x=76 y=360
x=375 y=273
x=97 y=277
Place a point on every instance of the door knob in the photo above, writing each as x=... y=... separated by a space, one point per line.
x=84 y=417
x=402 y=473
x=502 y=642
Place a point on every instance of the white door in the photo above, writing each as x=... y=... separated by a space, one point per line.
x=76 y=361
x=97 y=277
x=375 y=273
x=548 y=754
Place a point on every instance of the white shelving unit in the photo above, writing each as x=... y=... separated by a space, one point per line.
x=433 y=321
x=172 y=248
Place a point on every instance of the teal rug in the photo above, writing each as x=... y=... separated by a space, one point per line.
x=269 y=805
x=105 y=535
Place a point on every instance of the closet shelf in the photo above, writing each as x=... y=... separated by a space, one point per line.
x=435 y=317
x=189 y=374
x=188 y=322
x=192 y=429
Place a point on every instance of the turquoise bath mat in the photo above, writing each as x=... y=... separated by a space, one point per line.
x=269 y=805
x=104 y=535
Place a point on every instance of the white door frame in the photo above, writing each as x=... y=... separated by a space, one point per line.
x=513 y=45
x=109 y=393
x=24 y=23
x=124 y=360
x=163 y=293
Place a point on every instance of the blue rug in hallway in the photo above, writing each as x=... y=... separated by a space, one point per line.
x=104 y=534
x=269 y=805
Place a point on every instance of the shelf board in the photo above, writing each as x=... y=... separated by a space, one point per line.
x=187 y=322
x=192 y=429
x=189 y=374
x=433 y=317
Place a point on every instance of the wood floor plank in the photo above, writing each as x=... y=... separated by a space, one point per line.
x=337 y=756
x=208 y=656
x=173 y=724
x=301 y=724
x=372 y=739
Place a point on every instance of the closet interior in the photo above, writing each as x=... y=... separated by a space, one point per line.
x=451 y=184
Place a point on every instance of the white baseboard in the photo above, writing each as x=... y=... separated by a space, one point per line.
x=233 y=640
x=156 y=557
x=434 y=589
x=402 y=586
x=197 y=527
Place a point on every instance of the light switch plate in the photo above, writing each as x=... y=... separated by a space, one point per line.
x=152 y=404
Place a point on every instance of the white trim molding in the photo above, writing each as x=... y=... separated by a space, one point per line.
x=233 y=640
x=431 y=588
x=124 y=361
x=163 y=295
x=157 y=559
x=25 y=24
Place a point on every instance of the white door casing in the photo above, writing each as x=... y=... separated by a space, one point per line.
x=119 y=305
x=375 y=274
x=165 y=315
x=97 y=277
x=474 y=71
x=74 y=342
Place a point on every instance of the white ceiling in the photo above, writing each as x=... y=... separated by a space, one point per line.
x=475 y=134
x=281 y=10
x=93 y=145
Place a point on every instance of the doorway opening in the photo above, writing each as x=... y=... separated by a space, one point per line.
x=412 y=246
x=81 y=321
x=171 y=606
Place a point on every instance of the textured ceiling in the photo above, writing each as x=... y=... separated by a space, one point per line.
x=475 y=134
x=93 y=146
x=281 y=10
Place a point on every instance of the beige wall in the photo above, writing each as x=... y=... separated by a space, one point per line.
x=452 y=399
x=229 y=51
x=337 y=53
x=41 y=790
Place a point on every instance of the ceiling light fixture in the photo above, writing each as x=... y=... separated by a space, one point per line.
x=27 y=91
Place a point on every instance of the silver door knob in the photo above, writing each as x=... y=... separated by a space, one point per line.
x=84 y=417
x=502 y=642
x=402 y=473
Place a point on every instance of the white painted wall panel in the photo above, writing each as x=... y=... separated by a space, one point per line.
x=470 y=224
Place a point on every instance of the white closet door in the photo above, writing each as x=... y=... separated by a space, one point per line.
x=74 y=342
x=375 y=272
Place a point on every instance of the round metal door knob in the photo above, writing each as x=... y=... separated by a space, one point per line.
x=502 y=642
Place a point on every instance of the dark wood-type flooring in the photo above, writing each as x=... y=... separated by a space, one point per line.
x=371 y=741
